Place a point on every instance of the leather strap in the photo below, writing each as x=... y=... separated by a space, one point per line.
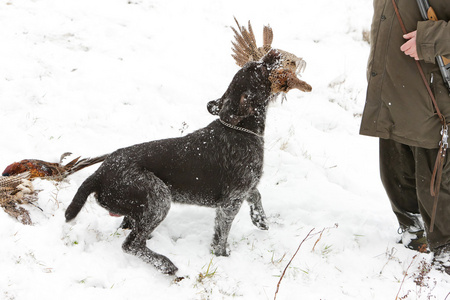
x=436 y=177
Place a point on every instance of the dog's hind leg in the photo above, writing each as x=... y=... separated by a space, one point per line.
x=257 y=213
x=135 y=244
x=127 y=223
x=145 y=219
x=223 y=221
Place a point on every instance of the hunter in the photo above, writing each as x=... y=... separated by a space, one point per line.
x=410 y=124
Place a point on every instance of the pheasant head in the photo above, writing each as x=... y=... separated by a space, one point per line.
x=284 y=76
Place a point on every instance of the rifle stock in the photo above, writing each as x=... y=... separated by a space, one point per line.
x=445 y=60
x=431 y=14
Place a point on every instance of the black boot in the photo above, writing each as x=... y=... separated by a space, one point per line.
x=415 y=239
x=441 y=260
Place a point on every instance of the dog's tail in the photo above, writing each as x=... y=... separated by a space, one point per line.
x=86 y=188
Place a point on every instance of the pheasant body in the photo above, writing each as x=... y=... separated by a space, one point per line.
x=16 y=187
x=55 y=171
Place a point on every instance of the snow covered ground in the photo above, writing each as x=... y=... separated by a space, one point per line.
x=92 y=76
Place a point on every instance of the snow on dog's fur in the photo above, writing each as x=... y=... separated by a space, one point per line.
x=217 y=166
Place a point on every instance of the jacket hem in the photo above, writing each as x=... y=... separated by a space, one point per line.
x=402 y=140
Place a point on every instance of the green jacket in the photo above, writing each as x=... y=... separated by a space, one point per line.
x=398 y=106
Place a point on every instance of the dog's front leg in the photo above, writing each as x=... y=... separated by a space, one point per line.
x=224 y=219
x=257 y=213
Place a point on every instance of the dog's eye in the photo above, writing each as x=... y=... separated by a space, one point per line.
x=244 y=100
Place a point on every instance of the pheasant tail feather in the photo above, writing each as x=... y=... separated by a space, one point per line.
x=267 y=38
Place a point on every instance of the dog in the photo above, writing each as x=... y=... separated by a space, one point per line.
x=218 y=166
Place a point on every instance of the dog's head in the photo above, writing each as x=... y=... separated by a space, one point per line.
x=252 y=87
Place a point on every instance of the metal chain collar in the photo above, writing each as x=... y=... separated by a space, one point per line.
x=240 y=128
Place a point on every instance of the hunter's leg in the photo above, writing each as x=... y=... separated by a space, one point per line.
x=397 y=170
x=425 y=159
x=398 y=174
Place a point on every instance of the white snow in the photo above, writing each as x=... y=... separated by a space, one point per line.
x=92 y=76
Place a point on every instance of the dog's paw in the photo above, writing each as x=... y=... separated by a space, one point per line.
x=163 y=264
x=257 y=214
x=260 y=223
x=168 y=268
x=220 y=251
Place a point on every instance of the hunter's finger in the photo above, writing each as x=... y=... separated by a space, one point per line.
x=410 y=35
x=406 y=46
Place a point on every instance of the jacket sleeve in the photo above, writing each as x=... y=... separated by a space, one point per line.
x=433 y=38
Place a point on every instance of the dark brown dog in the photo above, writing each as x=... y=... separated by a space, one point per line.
x=217 y=166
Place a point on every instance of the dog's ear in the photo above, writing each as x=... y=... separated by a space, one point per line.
x=215 y=106
x=241 y=108
x=237 y=109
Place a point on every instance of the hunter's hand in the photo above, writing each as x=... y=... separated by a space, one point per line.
x=410 y=48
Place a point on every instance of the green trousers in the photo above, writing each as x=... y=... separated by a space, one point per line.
x=406 y=174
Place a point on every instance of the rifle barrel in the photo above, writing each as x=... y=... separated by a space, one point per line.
x=423 y=7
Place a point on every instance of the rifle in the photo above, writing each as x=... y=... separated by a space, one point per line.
x=428 y=13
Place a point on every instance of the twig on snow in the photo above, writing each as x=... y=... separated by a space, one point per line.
x=404 y=277
x=287 y=266
x=320 y=235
